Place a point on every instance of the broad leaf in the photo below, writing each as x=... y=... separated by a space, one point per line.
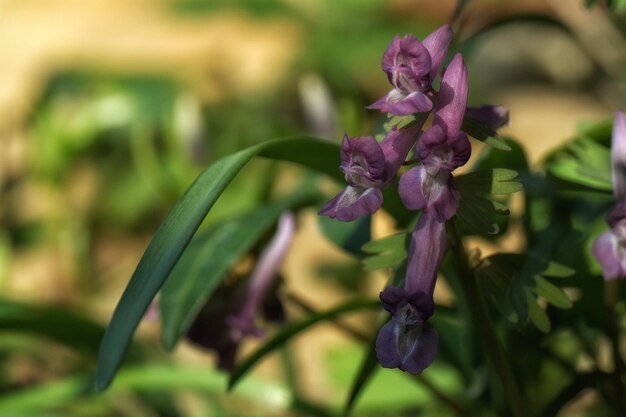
x=179 y=227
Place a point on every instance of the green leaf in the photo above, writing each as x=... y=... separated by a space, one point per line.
x=179 y=227
x=483 y=133
x=492 y=181
x=511 y=281
x=292 y=329
x=349 y=236
x=368 y=367
x=553 y=294
x=478 y=211
x=584 y=162
x=557 y=270
x=536 y=315
x=388 y=252
x=51 y=322
x=205 y=263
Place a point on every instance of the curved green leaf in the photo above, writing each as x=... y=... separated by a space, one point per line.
x=290 y=330
x=179 y=227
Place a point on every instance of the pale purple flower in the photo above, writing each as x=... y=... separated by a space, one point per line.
x=618 y=156
x=430 y=186
x=368 y=167
x=244 y=322
x=408 y=342
x=411 y=66
x=231 y=313
x=610 y=247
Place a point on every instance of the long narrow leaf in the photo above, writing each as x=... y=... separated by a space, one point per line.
x=179 y=227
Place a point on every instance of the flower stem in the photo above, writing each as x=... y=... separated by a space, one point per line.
x=483 y=325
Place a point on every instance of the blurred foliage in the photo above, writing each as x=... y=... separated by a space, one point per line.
x=110 y=152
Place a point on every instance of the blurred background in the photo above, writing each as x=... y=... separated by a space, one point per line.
x=109 y=109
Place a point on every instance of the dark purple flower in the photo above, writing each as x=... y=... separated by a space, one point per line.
x=408 y=341
x=442 y=148
x=493 y=117
x=368 y=166
x=411 y=66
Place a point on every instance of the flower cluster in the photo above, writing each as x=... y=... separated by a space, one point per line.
x=610 y=247
x=408 y=341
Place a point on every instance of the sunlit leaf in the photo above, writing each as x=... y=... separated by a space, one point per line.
x=553 y=294
x=388 y=252
x=584 y=162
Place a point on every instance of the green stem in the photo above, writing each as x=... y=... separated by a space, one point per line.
x=611 y=297
x=496 y=357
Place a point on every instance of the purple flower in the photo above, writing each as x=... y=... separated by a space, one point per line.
x=368 y=167
x=430 y=186
x=493 y=117
x=408 y=342
x=610 y=247
x=411 y=66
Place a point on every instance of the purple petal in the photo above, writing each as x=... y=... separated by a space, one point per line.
x=439 y=151
x=407 y=64
x=618 y=156
x=435 y=192
x=606 y=249
x=363 y=161
x=396 y=147
x=452 y=98
x=437 y=44
x=428 y=245
x=399 y=104
x=617 y=215
x=352 y=203
x=493 y=117
x=410 y=348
